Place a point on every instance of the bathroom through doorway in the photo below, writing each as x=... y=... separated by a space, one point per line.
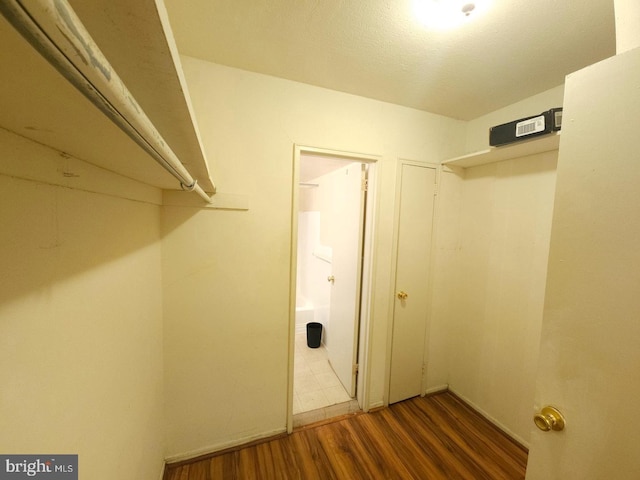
x=332 y=221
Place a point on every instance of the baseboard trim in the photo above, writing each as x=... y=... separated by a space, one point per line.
x=436 y=390
x=222 y=448
x=514 y=437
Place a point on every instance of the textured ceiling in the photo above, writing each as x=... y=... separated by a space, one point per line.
x=378 y=49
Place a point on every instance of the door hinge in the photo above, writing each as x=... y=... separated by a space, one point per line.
x=355 y=369
x=365 y=184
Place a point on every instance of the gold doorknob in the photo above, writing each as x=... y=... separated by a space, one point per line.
x=331 y=279
x=402 y=295
x=549 y=418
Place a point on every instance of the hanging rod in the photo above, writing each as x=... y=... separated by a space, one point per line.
x=53 y=28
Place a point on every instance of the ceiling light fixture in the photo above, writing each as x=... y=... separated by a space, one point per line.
x=446 y=14
x=468 y=8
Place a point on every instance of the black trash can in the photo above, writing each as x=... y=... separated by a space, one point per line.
x=314 y=334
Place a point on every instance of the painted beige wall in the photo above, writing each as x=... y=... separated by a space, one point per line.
x=226 y=273
x=495 y=320
x=627 y=25
x=446 y=266
x=492 y=240
x=80 y=314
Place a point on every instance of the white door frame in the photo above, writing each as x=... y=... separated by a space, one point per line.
x=368 y=267
x=394 y=254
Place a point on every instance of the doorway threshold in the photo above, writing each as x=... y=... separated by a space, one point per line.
x=326 y=413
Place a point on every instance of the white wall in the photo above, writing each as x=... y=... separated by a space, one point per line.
x=80 y=314
x=308 y=271
x=312 y=286
x=226 y=313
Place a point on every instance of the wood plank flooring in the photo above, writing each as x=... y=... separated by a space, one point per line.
x=433 y=438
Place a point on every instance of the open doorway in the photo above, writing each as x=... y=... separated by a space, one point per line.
x=332 y=223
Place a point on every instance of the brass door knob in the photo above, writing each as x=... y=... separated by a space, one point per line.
x=402 y=295
x=549 y=418
x=331 y=279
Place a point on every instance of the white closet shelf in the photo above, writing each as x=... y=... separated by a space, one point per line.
x=524 y=148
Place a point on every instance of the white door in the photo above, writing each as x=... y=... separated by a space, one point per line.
x=590 y=349
x=412 y=275
x=346 y=241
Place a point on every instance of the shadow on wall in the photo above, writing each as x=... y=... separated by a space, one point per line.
x=81 y=325
x=50 y=233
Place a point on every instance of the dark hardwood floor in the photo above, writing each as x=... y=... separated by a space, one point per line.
x=432 y=438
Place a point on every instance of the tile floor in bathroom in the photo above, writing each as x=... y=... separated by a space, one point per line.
x=317 y=392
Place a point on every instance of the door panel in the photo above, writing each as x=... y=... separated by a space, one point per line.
x=412 y=274
x=589 y=353
x=346 y=241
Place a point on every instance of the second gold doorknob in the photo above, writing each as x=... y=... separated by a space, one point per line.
x=402 y=295
x=549 y=418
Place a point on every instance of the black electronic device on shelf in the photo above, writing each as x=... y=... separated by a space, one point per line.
x=525 y=128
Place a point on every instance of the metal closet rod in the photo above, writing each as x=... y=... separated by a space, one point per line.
x=53 y=28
